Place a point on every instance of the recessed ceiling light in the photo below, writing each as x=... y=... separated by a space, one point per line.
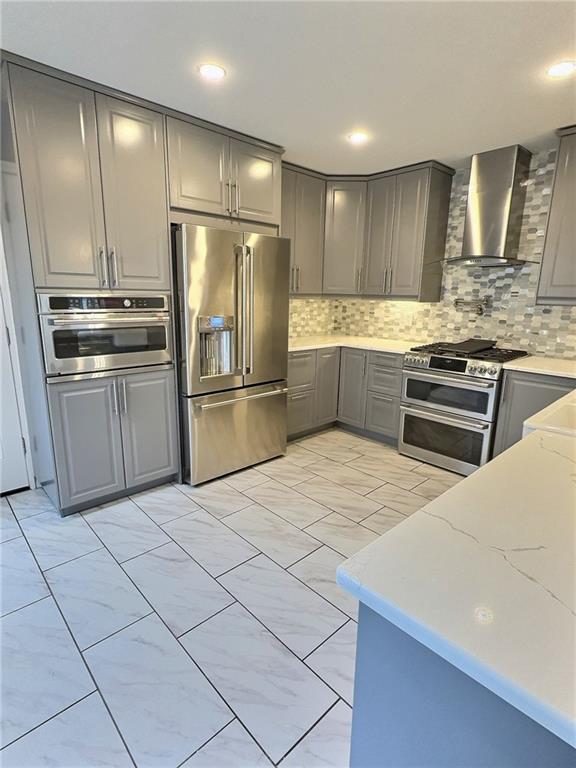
x=212 y=72
x=562 y=69
x=358 y=137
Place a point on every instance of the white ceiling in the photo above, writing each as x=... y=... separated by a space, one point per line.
x=427 y=79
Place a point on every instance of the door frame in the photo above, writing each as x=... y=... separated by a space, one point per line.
x=15 y=361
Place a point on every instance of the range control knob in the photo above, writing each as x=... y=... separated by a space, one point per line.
x=127 y=303
x=493 y=371
x=472 y=369
x=482 y=369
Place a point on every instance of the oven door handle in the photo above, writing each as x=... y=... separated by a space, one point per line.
x=477 y=426
x=449 y=379
x=99 y=322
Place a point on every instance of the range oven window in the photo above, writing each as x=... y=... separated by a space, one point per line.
x=445 y=439
x=451 y=396
x=76 y=343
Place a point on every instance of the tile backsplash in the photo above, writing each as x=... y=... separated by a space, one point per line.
x=512 y=317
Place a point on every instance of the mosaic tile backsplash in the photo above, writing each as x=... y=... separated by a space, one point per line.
x=512 y=317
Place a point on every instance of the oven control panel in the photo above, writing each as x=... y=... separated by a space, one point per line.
x=482 y=369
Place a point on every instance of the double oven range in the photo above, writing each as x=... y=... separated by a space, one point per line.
x=449 y=402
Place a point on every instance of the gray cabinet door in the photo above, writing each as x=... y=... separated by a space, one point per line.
x=87 y=440
x=327 y=377
x=523 y=395
x=383 y=414
x=408 y=236
x=379 y=226
x=386 y=381
x=310 y=202
x=149 y=435
x=352 y=394
x=134 y=182
x=58 y=148
x=344 y=238
x=300 y=412
x=558 y=275
x=198 y=167
x=256 y=182
x=302 y=370
x=288 y=215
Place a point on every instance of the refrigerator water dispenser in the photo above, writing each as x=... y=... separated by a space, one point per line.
x=216 y=345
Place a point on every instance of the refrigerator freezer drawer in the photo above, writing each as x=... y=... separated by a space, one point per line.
x=232 y=430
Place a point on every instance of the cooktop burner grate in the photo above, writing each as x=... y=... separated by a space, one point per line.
x=477 y=349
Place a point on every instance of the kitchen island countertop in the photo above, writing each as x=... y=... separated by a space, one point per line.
x=484 y=576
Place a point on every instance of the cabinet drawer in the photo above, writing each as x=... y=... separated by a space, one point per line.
x=389 y=359
x=388 y=381
x=382 y=414
x=300 y=411
x=302 y=370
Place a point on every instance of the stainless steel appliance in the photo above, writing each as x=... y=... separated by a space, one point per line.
x=101 y=331
x=449 y=402
x=233 y=347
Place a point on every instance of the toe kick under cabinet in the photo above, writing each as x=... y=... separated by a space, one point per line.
x=111 y=434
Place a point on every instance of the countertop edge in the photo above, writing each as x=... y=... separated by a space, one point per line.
x=548 y=718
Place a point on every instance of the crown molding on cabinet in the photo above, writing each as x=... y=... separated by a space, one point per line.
x=369 y=176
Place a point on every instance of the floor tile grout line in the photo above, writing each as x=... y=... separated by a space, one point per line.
x=305 y=658
x=219 y=731
x=133 y=557
x=220 y=610
x=293 y=747
x=117 y=631
x=32 y=602
x=52 y=717
x=261 y=504
x=73 y=559
x=88 y=670
x=336 y=510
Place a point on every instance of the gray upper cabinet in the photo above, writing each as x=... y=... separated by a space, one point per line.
x=256 y=182
x=408 y=233
x=327 y=377
x=523 y=395
x=198 y=164
x=379 y=226
x=558 y=275
x=135 y=205
x=87 y=439
x=303 y=214
x=149 y=434
x=352 y=394
x=344 y=236
x=58 y=150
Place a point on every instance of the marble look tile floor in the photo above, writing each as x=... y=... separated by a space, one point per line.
x=196 y=627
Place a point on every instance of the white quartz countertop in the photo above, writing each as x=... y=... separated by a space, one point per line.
x=372 y=343
x=485 y=577
x=551 y=366
x=559 y=417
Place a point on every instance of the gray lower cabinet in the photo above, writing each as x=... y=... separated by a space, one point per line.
x=302 y=370
x=301 y=413
x=112 y=433
x=131 y=141
x=352 y=392
x=344 y=236
x=558 y=275
x=523 y=395
x=58 y=150
x=86 y=435
x=327 y=380
x=149 y=432
x=382 y=414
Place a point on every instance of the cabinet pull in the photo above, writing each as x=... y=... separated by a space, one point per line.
x=113 y=265
x=385 y=279
x=115 y=396
x=292 y=279
x=364 y=366
x=390 y=282
x=298 y=397
x=103 y=266
x=298 y=279
x=504 y=390
x=236 y=188
x=229 y=198
x=124 y=398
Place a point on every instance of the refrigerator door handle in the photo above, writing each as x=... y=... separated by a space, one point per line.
x=209 y=406
x=250 y=309
x=240 y=252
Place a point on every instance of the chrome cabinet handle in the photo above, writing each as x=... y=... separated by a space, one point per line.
x=113 y=265
x=298 y=397
x=115 y=396
x=104 y=279
x=390 y=280
x=385 y=279
x=237 y=197
x=298 y=279
x=228 y=208
x=209 y=406
x=124 y=397
x=292 y=279
x=364 y=365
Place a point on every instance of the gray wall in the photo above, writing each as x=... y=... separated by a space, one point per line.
x=513 y=319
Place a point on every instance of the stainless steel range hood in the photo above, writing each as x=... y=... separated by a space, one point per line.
x=496 y=197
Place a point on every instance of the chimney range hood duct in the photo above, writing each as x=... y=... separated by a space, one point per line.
x=496 y=197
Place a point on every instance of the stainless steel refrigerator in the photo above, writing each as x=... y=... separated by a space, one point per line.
x=233 y=341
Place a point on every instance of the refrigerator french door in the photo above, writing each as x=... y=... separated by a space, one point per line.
x=233 y=325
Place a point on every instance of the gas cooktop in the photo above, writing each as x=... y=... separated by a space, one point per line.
x=473 y=349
